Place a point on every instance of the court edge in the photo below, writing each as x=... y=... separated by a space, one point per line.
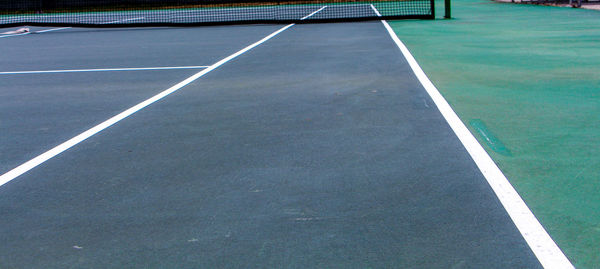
x=540 y=242
x=545 y=249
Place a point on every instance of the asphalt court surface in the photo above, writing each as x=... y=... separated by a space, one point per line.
x=52 y=108
x=317 y=148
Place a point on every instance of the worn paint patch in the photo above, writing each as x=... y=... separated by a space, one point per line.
x=489 y=138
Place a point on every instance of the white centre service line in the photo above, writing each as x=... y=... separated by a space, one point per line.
x=103 y=70
x=23 y=168
x=540 y=242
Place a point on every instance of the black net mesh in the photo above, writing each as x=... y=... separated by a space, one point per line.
x=193 y=12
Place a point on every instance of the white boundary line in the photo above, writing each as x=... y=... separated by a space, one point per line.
x=1 y=36
x=132 y=19
x=540 y=242
x=23 y=168
x=315 y=12
x=37 y=32
x=51 y=30
x=103 y=70
x=63 y=28
x=376 y=11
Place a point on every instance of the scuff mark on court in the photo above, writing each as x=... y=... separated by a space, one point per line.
x=489 y=138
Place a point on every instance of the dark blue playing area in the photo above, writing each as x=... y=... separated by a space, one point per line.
x=317 y=147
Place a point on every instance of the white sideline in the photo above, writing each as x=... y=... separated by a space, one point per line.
x=540 y=242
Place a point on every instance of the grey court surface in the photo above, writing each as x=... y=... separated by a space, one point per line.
x=318 y=148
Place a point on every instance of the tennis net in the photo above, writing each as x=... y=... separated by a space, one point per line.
x=114 y=13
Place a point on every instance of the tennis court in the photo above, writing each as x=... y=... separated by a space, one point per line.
x=252 y=145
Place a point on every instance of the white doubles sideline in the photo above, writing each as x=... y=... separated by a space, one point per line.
x=23 y=168
x=540 y=242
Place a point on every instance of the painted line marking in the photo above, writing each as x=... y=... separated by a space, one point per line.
x=315 y=12
x=103 y=70
x=37 y=32
x=18 y=31
x=376 y=11
x=1 y=36
x=132 y=19
x=55 y=29
x=63 y=28
x=23 y=168
x=540 y=242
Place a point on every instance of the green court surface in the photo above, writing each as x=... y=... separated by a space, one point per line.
x=526 y=80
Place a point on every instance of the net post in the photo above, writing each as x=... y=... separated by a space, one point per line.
x=447 y=15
